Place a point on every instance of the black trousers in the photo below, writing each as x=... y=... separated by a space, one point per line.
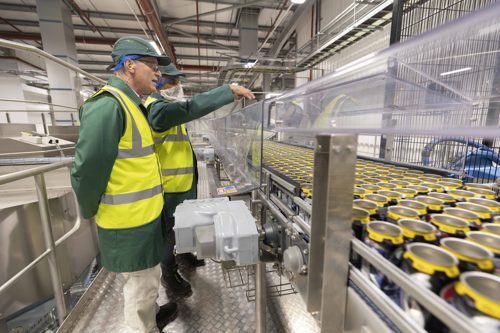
x=168 y=263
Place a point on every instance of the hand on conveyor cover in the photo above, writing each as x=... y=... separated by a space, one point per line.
x=241 y=92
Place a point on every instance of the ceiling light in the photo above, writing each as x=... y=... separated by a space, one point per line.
x=250 y=64
x=465 y=69
x=155 y=46
x=298 y=1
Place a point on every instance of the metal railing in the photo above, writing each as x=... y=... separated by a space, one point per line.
x=34 y=50
x=50 y=253
x=46 y=55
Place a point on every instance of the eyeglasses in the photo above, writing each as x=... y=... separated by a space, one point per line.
x=154 y=66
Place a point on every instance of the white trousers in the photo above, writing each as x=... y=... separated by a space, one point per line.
x=140 y=292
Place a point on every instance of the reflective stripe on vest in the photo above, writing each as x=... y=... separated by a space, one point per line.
x=126 y=198
x=179 y=136
x=135 y=152
x=178 y=171
x=133 y=195
x=176 y=157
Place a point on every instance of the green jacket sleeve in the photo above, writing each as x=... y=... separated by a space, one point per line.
x=101 y=128
x=163 y=114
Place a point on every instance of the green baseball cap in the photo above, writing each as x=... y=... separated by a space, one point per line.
x=170 y=70
x=130 y=45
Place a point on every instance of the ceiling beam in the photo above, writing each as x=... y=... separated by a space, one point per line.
x=36 y=36
x=17 y=8
x=151 y=15
x=208 y=40
x=131 y=31
x=290 y=28
x=107 y=53
x=107 y=41
x=130 y=17
x=91 y=14
x=270 y=4
x=206 y=46
x=180 y=56
x=181 y=67
x=199 y=68
x=221 y=25
x=219 y=10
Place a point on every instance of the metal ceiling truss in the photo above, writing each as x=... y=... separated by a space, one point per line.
x=217 y=25
x=129 y=17
x=174 y=32
x=241 y=68
x=284 y=36
x=107 y=41
x=212 y=12
x=152 y=17
x=179 y=56
x=269 y=4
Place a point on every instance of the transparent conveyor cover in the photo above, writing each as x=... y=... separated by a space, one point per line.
x=430 y=85
x=237 y=140
x=425 y=86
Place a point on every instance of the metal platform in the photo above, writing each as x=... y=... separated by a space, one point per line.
x=212 y=308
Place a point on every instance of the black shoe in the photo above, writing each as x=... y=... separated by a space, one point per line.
x=191 y=260
x=176 y=285
x=167 y=314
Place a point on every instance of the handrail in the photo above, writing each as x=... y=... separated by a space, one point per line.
x=55 y=274
x=39 y=111
x=22 y=153
x=35 y=102
x=61 y=240
x=46 y=55
x=11 y=177
x=34 y=160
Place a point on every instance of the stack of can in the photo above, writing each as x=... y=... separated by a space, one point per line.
x=443 y=233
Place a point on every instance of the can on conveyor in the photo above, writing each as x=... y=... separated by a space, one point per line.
x=477 y=295
x=418 y=231
x=450 y=226
x=471 y=256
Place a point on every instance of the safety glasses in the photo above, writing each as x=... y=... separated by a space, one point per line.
x=153 y=65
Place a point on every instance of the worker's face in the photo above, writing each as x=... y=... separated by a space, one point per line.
x=170 y=82
x=146 y=75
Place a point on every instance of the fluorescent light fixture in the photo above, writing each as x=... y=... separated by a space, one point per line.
x=298 y=1
x=250 y=64
x=465 y=69
x=155 y=46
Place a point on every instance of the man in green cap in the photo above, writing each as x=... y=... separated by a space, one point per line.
x=117 y=180
x=167 y=114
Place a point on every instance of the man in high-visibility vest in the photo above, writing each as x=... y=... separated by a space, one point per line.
x=116 y=177
x=167 y=116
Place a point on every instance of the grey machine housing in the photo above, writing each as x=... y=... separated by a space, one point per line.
x=217 y=228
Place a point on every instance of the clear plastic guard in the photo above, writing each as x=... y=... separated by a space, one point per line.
x=237 y=140
x=425 y=86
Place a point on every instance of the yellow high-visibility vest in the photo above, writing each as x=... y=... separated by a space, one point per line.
x=134 y=194
x=176 y=157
